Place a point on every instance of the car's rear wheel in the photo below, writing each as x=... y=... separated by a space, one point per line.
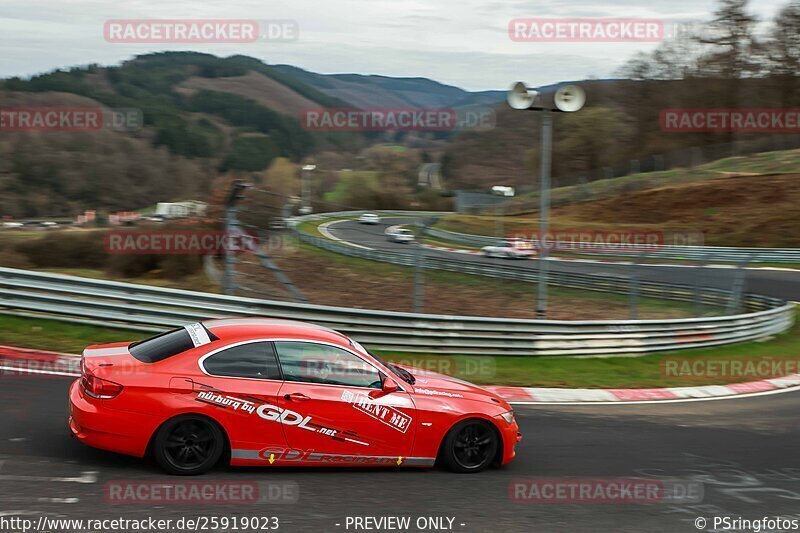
x=188 y=445
x=470 y=446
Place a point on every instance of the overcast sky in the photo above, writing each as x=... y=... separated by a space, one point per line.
x=459 y=42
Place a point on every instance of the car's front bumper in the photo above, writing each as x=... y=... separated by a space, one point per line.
x=511 y=437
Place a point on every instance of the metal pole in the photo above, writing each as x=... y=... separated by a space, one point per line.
x=633 y=311
x=231 y=228
x=544 y=212
x=699 y=279
x=498 y=224
x=737 y=290
x=419 y=282
x=419 y=264
x=229 y=277
x=419 y=290
x=277 y=272
x=306 y=188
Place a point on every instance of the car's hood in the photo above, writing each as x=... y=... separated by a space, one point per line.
x=438 y=385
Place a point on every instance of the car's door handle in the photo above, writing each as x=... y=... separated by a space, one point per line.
x=296 y=397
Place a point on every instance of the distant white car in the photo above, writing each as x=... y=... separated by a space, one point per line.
x=369 y=218
x=401 y=235
x=509 y=249
x=13 y=224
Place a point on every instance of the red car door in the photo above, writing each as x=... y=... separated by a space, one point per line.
x=333 y=408
x=239 y=380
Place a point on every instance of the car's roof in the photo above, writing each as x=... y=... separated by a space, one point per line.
x=242 y=328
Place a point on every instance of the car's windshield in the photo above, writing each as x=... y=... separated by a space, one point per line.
x=404 y=374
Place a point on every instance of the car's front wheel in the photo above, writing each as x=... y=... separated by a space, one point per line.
x=470 y=446
x=188 y=445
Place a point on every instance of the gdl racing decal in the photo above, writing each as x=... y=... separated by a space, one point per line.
x=291 y=418
x=293 y=455
x=223 y=400
x=274 y=414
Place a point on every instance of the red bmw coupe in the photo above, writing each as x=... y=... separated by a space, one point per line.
x=277 y=392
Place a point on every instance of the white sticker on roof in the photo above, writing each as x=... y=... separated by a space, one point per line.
x=198 y=334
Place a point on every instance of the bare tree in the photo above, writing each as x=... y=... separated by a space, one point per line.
x=783 y=50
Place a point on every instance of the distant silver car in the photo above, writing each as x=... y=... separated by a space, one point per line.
x=368 y=218
x=401 y=235
x=509 y=249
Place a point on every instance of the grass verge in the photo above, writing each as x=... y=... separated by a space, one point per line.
x=567 y=372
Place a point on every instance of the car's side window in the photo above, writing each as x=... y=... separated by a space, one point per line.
x=320 y=363
x=252 y=360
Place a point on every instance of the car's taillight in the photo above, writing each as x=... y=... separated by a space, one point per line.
x=95 y=387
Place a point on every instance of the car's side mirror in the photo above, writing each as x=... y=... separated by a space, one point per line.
x=388 y=386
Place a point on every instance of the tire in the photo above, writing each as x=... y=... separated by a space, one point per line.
x=462 y=450
x=188 y=445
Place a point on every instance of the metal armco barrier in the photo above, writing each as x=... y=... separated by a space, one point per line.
x=147 y=308
x=674 y=252
x=593 y=282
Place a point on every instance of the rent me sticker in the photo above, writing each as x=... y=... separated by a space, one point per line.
x=387 y=414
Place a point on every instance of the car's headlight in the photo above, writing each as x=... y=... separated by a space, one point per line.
x=508 y=417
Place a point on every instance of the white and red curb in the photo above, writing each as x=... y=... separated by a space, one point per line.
x=28 y=361
x=20 y=361
x=533 y=395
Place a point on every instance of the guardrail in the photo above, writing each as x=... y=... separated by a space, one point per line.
x=575 y=280
x=147 y=308
x=674 y=252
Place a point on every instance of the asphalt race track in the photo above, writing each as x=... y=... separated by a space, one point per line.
x=738 y=457
x=777 y=283
x=741 y=452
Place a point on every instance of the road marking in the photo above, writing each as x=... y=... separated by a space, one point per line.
x=34 y=371
x=85 y=478
x=40 y=500
x=323 y=228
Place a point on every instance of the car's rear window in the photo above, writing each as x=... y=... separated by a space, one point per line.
x=164 y=345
